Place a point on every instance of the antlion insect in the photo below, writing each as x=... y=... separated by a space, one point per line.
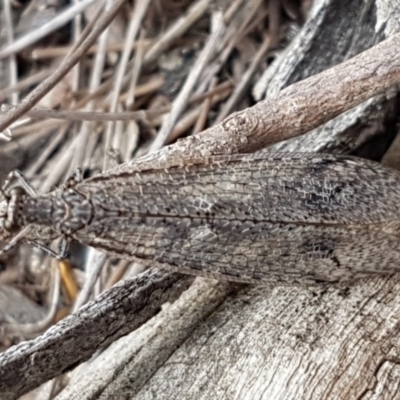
x=250 y=218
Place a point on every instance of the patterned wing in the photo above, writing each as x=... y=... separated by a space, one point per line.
x=273 y=187
x=252 y=218
x=254 y=252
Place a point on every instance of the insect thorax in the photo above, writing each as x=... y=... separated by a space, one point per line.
x=67 y=211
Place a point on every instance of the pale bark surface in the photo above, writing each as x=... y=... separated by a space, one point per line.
x=122 y=309
x=224 y=342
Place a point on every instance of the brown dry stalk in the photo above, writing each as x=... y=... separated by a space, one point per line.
x=38 y=93
x=296 y=110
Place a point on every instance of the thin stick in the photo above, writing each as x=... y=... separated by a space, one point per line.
x=95 y=79
x=137 y=67
x=244 y=82
x=133 y=30
x=55 y=23
x=25 y=83
x=62 y=51
x=96 y=115
x=183 y=96
x=39 y=92
x=298 y=109
x=204 y=110
x=194 y=13
x=12 y=59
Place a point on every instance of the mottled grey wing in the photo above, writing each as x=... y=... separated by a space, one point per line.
x=275 y=187
x=276 y=217
x=254 y=252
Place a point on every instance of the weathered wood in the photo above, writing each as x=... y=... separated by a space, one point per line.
x=123 y=308
x=285 y=343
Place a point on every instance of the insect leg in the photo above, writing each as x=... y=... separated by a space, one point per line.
x=15 y=241
x=17 y=179
x=62 y=249
x=73 y=179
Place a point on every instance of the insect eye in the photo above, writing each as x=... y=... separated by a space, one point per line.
x=12 y=210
